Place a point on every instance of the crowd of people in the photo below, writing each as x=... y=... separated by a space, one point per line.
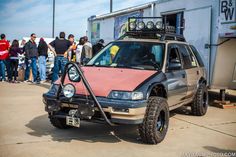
x=64 y=50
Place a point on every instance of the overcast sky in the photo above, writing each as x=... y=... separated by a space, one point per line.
x=19 y=18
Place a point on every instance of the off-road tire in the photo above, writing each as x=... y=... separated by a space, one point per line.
x=59 y=123
x=148 y=129
x=200 y=102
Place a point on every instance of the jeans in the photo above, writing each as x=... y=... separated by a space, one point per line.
x=42 y=67
x=2 y=70
x=4 y=64
x=59 y=65
x=32 y=65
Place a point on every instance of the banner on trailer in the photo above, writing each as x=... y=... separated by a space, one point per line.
x=227 y=18
x=121 y=23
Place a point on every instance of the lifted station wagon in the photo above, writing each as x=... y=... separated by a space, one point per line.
x=137 y=80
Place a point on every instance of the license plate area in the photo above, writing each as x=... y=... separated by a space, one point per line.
x=73 y=121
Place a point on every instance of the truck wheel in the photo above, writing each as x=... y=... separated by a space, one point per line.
x=155 y=122
x=59 y=123
x=200 y=102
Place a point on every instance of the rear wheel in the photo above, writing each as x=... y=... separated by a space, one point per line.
x=200 y=102
x=156 y=121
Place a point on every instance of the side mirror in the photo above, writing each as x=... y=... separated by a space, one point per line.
x=174 y=65
x=73 y=74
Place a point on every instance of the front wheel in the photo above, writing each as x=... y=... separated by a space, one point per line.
x=155 y=122
x=59 y=123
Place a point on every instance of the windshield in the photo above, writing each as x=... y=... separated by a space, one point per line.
x=137 y=55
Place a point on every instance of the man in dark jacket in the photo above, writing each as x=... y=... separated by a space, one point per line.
x=31 y=55
x=43 y=54
x=97 y=47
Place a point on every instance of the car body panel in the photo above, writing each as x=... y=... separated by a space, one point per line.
x=103 y=80
x=177 y=87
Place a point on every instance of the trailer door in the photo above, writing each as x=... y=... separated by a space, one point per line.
x=197 y=31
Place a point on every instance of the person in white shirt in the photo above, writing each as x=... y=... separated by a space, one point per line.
x=78 y=50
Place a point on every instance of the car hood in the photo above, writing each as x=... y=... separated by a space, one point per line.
x=104 y=79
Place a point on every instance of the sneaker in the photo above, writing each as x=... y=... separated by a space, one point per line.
x=44 y=81
x=27 y=81
x=3 y=80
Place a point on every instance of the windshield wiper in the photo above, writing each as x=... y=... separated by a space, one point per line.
x=130 y=67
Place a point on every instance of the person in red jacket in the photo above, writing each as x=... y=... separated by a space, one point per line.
x=4 y=55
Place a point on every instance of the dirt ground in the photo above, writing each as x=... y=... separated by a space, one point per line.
x=25 y=131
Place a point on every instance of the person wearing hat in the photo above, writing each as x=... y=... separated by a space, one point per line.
x=97 y=47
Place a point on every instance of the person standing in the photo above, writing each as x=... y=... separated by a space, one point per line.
x=97 y=47
x=14 y=51
x=31 y=54
x=43 y=54
x=71 y=54
x=86 y=51
x=4 y=55
x=78 y=50
x=21 y=66
x=60 y=47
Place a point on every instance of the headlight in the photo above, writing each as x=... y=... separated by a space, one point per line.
x=68 y=90
x=141 y=25
x=159 y=25
x=150 y=25
x=126 y=95
x=73 y=74
x=132 y=25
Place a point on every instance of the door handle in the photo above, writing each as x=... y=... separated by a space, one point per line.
x=197 y=72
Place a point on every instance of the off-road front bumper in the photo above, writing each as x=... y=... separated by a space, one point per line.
x=118 y=111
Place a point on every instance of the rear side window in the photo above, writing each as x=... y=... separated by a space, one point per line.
x=197 y=55
x=186 y=56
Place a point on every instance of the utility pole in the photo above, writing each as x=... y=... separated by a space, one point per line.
x=111 y=5
x=53 y=19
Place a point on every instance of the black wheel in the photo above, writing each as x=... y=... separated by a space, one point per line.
x=155 y=122
x=59 y=123
x=200 y=102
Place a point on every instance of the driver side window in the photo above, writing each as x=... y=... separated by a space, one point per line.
x=173 y=59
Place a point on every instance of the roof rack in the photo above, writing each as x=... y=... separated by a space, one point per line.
x=151 y=28
x=153 y=35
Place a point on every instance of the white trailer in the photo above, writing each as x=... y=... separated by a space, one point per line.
x=209 y=25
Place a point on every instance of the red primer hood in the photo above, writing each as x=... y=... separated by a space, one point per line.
x=103 y=80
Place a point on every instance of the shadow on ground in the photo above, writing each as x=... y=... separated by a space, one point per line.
x=216 y=96
x=88 y=132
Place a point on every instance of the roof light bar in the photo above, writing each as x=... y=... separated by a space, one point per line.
x=149 y=24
